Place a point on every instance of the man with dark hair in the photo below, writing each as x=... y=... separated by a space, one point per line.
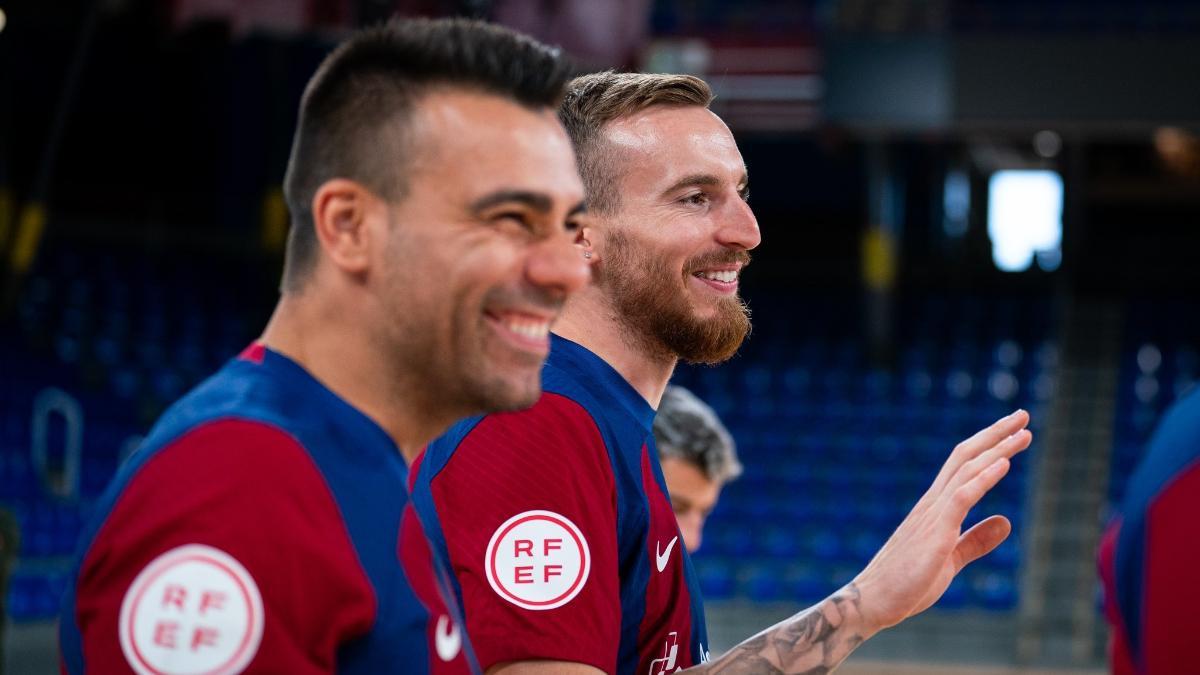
x=263 y=526
x=698 y=457
x=571 y=563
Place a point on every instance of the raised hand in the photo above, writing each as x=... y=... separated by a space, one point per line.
x=928 y=549
x=909 y=573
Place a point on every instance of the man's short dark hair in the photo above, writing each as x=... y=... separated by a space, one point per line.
x=354 y=114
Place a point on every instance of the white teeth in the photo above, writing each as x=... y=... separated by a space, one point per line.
x=726 y=276
x=530 y=329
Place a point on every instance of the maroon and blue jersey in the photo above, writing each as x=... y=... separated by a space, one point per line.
x=263 y=526
x=558 y=528
x=1150 y=555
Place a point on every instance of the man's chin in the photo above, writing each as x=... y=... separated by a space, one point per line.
x=710 y=356
x=510 y=393
x=709 y=343
x=516 y=403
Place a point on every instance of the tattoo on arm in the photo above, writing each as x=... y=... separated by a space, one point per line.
x=814 y=641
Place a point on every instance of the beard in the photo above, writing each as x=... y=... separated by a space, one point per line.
x=655 y=306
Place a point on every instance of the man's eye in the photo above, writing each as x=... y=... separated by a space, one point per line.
x=697 y=199
x=514 y=217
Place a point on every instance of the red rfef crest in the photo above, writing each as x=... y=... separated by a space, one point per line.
x=537 y=560
x=193 y=610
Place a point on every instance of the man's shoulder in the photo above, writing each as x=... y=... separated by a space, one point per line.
x=213 y=471
x=555 y=417
x=228 y=442
x=1181 y=426
x=228 y=420
x=225 y=498
x=554 y=440
x=241 y=390
x=245 y=413
x=1172 y=451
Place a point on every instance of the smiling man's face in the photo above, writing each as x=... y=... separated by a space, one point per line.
x=481 y=252
x=673 y=248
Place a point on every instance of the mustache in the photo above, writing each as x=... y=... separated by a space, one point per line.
x=721 y=257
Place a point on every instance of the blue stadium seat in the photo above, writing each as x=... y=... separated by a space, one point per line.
x=715 y=575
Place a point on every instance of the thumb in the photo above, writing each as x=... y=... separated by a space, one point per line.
x=980 y=540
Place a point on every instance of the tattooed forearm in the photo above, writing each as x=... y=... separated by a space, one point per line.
x=814 y=641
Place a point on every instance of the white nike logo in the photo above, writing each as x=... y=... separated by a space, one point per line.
x=660 y=559
x=446 y=639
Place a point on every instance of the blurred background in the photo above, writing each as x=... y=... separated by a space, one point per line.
x=967 y=206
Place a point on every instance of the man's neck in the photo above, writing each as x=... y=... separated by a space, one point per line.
x=589 y=320
x=323 y=338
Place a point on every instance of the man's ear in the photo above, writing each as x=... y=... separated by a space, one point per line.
x=583 y=239
x=342 y=210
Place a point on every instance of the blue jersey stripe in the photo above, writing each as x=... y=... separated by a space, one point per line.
x=1174 y=448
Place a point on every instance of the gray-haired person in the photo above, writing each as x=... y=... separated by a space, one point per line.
x=698 y=457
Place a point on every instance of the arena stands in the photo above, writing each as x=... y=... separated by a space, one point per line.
x=836 y=451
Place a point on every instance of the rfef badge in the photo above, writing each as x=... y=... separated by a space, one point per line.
x=537 y=560
x=194 y=609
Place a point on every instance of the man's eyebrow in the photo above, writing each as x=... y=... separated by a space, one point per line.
x=704 y=180
x=693 y=180
x=534 y=200
x=578 y=209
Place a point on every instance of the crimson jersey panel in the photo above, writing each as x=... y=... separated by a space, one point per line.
x=259 y=529
x=556 y=524
x=1149 y=557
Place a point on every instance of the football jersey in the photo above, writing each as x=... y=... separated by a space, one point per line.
x=556 y=523
x=263 y=526
x=1150 y=554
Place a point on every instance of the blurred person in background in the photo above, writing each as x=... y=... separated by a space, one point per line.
x=698 y=458
x=1150 y=554
x=263 y=525
x=576 y=517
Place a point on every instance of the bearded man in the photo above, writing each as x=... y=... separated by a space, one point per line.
x=556 y=520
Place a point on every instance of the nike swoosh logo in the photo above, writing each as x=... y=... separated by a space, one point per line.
x=660 y=559
x=446 y=639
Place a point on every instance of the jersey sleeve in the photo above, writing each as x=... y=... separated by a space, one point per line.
x=527 y=507
x=1171 y=590
x=225 y=550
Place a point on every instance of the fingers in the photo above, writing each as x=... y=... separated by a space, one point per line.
x=967 y=495
x=980 y=540
x=1000 y=430
x=977 y=444
x=1004 y=449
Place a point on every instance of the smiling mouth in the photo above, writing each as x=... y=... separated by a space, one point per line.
x=723 y=276
x=524 y=331
x=534 y=329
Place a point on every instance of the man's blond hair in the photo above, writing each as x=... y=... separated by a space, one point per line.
x=596 y=99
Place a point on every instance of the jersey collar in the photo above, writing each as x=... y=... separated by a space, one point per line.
x=323 y=402
x=599 y=378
